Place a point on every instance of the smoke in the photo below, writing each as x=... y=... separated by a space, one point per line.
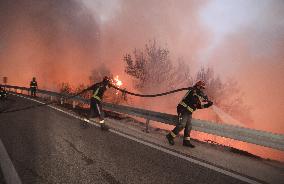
x=54 y=41
x=248 y=43
x=131 y=24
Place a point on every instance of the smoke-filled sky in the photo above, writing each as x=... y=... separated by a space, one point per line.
x=64 y=40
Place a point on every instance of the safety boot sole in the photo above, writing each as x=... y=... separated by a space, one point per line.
x=104 y=128
x=188 y=144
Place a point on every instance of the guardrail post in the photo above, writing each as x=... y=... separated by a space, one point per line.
x=74 y=104
x=147 y=125
x=51 y=98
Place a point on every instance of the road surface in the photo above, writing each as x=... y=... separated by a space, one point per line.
x=47 y=146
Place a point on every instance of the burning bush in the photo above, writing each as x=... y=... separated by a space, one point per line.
x=111 y=95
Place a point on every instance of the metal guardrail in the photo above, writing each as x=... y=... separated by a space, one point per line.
x=262 y=138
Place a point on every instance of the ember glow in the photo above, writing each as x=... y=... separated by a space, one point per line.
x=117 y=83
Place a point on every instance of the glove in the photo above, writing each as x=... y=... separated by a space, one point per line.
x=209 y=103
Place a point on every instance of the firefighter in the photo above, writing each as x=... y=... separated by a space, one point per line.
x=96 y=101
x=190 y=102
x=3 y=93
x=33 y=87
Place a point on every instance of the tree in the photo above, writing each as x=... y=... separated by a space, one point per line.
x=153 y=70
x=180 y=76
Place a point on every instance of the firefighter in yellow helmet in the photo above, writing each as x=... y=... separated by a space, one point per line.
x=33 y=87
x=190 y=102
x=96 y=101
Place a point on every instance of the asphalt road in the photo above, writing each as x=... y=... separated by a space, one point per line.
x=47 y=146
x=1 y=178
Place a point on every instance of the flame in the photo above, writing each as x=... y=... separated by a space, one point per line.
x=118 y=83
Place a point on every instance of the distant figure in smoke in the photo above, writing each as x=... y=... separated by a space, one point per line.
x=33 y=87
x=3 y=93
x=190 y=102
x=96 y=101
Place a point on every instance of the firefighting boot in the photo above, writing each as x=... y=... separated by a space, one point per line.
x=104 y=127
x=188 y=144
x=170 y=139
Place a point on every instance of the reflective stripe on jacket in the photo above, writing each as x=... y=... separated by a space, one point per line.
x=96 y=93
x=192 y=100
x=33 y=84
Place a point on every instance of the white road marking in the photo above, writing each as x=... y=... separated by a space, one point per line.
x=212 y=167
x=10 y=174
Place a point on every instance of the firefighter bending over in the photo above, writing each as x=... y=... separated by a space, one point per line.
x=96 y=101
x=33 y=87
x=190 y=102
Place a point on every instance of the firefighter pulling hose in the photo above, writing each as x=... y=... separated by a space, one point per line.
x=193 y=100
x=96 y=101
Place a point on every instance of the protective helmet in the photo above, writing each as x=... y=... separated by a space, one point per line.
x=106 y=80
x=200 y=84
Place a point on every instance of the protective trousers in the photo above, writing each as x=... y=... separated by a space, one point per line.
x=33 y=91
x=184 y=121
x=96 y=109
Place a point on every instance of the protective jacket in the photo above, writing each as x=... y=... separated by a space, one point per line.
x=98 y=90
x=3 y=93
x=193 y=100
x=33 y=84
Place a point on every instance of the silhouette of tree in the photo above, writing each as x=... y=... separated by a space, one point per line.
x=152 y=69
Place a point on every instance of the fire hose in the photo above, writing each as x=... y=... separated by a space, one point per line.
x=159 y=94
x=83 y=91
x=113 y=86
x=151 y=95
